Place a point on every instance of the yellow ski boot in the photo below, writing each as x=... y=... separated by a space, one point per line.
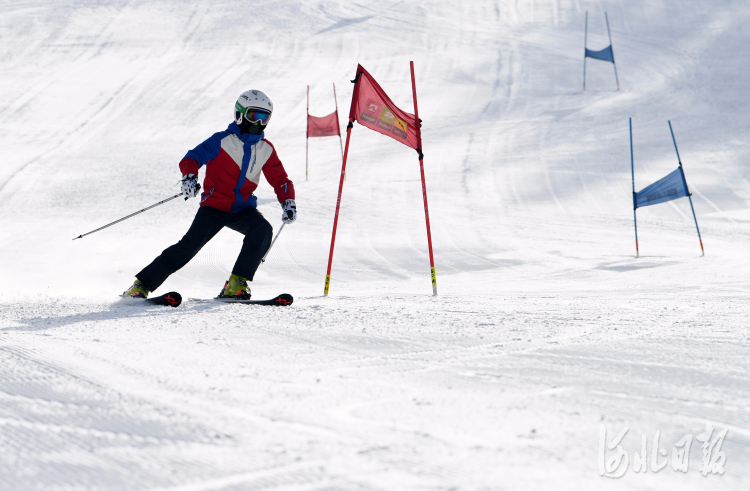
x=235 y=288
x=136 y=291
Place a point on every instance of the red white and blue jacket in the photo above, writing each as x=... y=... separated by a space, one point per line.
x=233 y=163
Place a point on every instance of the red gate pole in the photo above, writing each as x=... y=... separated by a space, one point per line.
x=307 y=134
x=424 y=186
x=338 y=204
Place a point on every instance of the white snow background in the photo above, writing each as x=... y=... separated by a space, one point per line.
x=545 y=327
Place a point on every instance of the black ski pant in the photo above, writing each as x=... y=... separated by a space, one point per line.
x=207 y=223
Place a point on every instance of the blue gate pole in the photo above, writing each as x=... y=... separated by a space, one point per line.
x=585 y=34
x=632 y=174
x=703 y=252
x=612 y=50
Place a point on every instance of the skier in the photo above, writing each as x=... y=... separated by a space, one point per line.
x=234 y=159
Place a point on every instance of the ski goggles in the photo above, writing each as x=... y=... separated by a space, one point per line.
x=254 y=115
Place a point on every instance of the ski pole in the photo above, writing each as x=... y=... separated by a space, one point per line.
x=273 y=242
x=131 y=215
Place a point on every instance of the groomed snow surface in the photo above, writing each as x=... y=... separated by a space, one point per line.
x=546 y=326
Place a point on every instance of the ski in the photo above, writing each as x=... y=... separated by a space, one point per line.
x=172 y=299
x=283 y=300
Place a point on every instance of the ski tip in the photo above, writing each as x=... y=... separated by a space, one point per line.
x=171 y=299
x=284 y=299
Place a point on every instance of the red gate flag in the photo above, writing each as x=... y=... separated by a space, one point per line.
x=325 y=126
x=372 y=108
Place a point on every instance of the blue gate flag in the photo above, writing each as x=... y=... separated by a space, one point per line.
x=670 y=187
x=604 y=54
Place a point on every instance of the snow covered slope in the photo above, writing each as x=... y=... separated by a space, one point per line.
x=546 y=325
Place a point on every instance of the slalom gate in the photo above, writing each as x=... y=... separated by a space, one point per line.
x=668 y=188
x=605 y=54
x=372 y=108
x=321 y=127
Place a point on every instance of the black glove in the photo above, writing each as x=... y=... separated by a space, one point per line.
x=290 y=211
x=190 y=186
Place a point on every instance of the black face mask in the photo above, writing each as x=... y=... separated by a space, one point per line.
x=252 y=128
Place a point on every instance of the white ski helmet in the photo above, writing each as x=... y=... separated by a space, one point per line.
x=252 y=99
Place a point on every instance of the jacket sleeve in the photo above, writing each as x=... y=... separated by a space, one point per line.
x=277 y=177
x=202 y=154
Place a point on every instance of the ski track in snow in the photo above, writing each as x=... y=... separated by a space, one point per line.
x=546 y=325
